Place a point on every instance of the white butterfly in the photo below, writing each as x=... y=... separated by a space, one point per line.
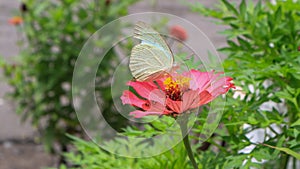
x=152 y=58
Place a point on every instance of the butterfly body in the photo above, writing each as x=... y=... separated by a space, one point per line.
x=152 y=58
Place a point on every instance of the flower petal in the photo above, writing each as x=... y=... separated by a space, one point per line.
x=139 y=114
x=190 y=100
x=221 y=86
x=157 y=107
x=200 y=80
x=178 y=32
x=129 y=98
x=175 y=106
x=157 y=96
x=143 y=88
x=16 y=20
x=160 y=83
x=205 y=97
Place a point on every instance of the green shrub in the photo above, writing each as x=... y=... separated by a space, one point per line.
x=91 y=156
x=263 y=53
x=55 y=32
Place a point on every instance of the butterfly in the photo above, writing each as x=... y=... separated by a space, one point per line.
x=152 y=58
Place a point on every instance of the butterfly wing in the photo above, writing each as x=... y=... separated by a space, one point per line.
x=149 y=36
x=146 y=62
x=152 y=57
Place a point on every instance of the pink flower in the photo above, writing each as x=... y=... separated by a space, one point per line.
x=16 y=20
x=173 y=95
x=178 y=32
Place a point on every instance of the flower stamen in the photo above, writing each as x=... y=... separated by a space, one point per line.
x=175 y=87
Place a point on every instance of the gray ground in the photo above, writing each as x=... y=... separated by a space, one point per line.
x=20 y=155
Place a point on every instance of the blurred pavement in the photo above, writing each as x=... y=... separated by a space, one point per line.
x=10 y=125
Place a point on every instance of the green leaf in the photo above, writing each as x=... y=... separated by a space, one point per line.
x=244 y=44
x=296 y=123
x=234 y=161
x=262 y=154
x=285 y=95
x=229 y=19
x=243 y=8
x=257 y=8
x=230 y=7
x=286 y=150
x=278 y=14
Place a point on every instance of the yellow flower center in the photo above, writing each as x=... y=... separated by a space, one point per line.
x=176 y=87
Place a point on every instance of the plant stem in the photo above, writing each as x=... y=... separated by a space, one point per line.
x=294 y=163
x=182 y=121
x=284 y=161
